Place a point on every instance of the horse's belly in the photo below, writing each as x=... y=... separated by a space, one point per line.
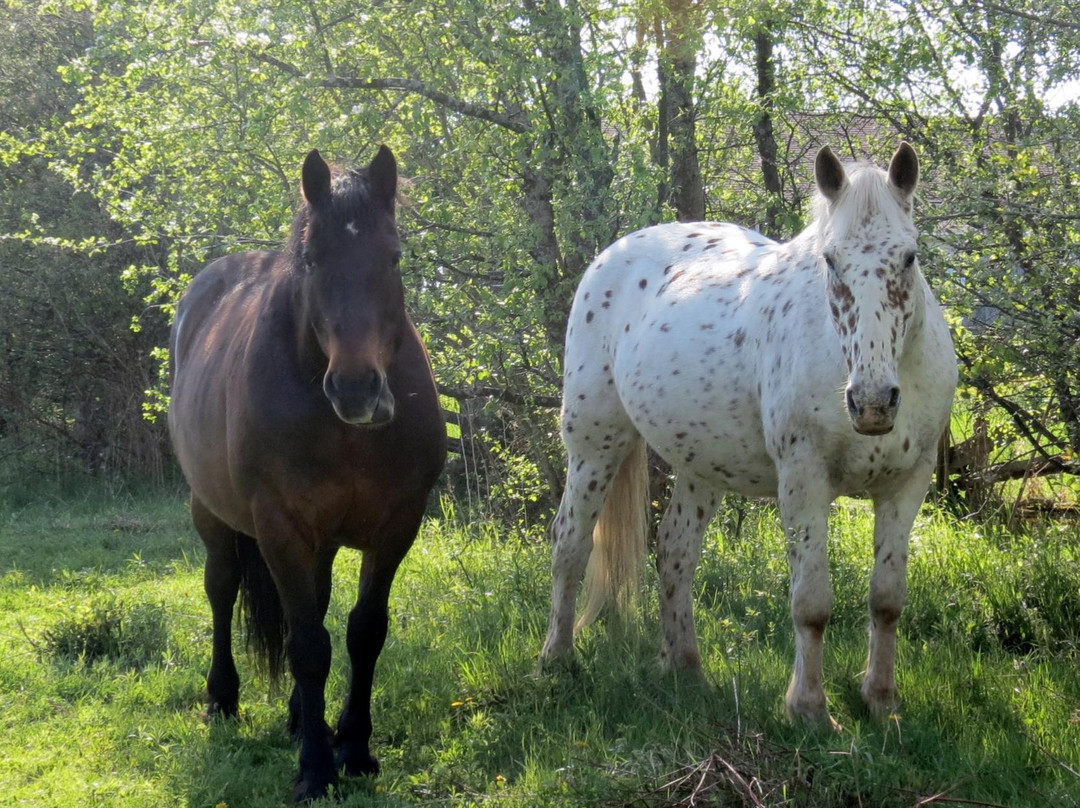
x=709 y=429
x=205 y=465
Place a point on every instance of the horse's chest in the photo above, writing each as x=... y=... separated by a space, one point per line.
x=863 y=463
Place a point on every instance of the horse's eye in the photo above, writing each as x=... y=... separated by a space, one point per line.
x=909 y=260
x=396 y=258
x=829 y=262
x=309 y=258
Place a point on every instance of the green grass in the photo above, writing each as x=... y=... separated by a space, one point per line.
x=104 y=644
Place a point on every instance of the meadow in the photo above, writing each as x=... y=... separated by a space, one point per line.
x=104 y=643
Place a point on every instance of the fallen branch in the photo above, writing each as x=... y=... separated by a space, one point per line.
x=1025 y=469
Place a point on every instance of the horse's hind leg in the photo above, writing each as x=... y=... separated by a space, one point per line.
x=678 y=549
x=894 y=513
x=221 y=580
x=598 y=438
x=368 y=623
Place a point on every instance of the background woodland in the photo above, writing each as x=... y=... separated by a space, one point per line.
x=139 y=140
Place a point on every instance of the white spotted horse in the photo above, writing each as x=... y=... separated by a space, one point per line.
x=803 y=371
x=305 y=417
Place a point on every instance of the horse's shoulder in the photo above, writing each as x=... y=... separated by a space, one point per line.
x=236 y=277
x=239 y=268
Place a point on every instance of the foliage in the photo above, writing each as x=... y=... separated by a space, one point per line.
x=461 y=716
x=107 y=628
x=72 y=370
x=534 y=134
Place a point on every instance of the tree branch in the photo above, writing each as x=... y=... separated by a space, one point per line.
x=1027 y=15
x=509 y=396
x=405 y=85
x=1025 y=423
x=1023 y=469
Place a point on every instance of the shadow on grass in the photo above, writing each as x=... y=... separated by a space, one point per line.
x=462 y=717
x=611 y=730
x=65 y=544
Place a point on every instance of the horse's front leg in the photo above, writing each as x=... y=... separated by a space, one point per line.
x=367 y=629
x=895 y=508
x=324 y=569
x=288 y=547
x=804 y=503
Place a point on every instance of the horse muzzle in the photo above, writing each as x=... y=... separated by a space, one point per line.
x=873 y=413
x=362 y=399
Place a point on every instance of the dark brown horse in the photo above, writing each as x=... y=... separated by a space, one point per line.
x=305 y=418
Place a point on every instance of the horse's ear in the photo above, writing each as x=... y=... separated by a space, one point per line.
x=382 y=176
x=829 y=174
x=315 y=180
x=904 y=169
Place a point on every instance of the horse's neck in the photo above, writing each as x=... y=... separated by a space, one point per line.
x=915 y=344
x=309 y=353
x=805 y=242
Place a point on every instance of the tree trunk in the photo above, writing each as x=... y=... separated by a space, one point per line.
x=763 y=131
x=568 y=190
x=676 y=143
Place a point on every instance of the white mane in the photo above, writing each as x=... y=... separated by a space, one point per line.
x=867 y=195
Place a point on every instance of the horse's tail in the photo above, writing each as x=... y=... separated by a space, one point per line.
x=260 y=609
x=615 y=566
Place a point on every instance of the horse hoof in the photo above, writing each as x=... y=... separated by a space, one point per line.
x=306 y=792
x=815 y=722
x=311 y=789
x=882 y=703
x=220 y=710
x=357 y=762
x=811 y=712
x=555 y=664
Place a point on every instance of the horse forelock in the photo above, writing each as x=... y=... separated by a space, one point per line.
x=350 y=202
x=867 y=197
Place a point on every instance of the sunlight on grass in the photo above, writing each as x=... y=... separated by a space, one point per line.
x=988 y=674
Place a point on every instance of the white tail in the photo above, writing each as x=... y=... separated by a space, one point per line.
x=618 y=553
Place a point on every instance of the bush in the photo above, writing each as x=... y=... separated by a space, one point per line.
x=106 y=628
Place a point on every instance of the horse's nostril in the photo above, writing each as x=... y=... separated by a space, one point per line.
x=851 y=401
x=894 y=396
x=367 y=384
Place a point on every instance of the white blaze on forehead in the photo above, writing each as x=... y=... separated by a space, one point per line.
x=352 y=228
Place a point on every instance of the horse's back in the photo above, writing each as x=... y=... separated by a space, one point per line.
x=646 y=263
x=715 y=344
x=215 y=321
x=662 y=327
x=216 y=293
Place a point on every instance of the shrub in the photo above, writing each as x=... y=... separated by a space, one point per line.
x=106 y=628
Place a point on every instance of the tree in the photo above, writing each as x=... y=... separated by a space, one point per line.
x=1011 y=223
x=72 y=372
x=537 y=133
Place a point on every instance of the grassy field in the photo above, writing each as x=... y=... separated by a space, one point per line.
x=104 y=643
